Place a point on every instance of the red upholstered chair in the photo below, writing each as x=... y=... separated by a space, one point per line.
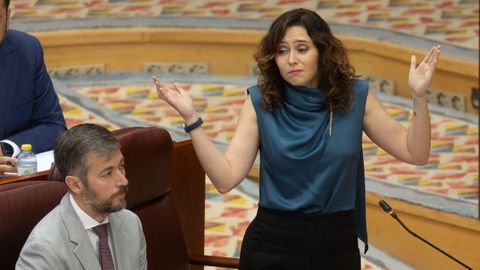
x=167 y=192
x=22 y=205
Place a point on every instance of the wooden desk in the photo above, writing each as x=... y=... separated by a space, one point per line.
x=14 y=178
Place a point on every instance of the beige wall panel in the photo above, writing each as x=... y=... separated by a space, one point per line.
x=229 y=52
x=456 y=235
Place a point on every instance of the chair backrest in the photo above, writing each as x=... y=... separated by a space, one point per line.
x=148 y=159
x=22 y=206
x=148 y=156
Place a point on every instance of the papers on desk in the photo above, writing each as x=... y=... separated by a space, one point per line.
x=44 y=161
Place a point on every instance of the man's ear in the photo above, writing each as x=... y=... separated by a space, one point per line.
x=74 y=184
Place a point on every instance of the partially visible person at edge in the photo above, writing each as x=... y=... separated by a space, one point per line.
x=29 y=109
x=306 y=117
x=90 y=228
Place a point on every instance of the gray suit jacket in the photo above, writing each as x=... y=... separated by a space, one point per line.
x=59 y=241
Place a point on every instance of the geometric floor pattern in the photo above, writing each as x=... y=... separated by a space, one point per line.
x=452 y=21
x=227 y=217
x=452 y=169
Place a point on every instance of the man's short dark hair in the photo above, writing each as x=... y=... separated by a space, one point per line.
x=73 y=146
x=7 y=3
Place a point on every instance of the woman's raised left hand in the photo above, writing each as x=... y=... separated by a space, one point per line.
x=420 y=76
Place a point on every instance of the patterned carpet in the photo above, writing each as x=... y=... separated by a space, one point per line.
x=228 y=216
x=452 y=170
x=450 y=21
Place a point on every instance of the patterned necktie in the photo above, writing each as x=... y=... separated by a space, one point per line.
x=105 y=256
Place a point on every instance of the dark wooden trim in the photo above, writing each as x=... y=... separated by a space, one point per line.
x=188 y=188
x=224 y=262
x=35 y=176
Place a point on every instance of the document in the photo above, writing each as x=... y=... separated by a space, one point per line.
x=44 y=161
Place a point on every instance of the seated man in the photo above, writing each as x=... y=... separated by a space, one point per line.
x=72 y=236
x=29 y=108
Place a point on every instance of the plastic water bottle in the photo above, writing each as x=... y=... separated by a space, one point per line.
x=26 y=161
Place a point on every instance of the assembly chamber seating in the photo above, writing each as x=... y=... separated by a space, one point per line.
x=167 y=192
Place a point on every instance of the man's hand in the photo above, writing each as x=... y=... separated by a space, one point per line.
x=7 y=164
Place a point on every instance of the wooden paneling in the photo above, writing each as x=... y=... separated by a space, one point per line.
x=14 y=178
x=392 y=61
x=459 y=236
x=188 y=188
x=229 y=52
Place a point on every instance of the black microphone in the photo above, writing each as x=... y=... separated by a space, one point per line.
x=389 y=210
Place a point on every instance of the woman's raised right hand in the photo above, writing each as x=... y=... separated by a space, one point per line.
x=176 y=97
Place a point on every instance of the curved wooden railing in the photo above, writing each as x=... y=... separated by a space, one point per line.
x=229 y=52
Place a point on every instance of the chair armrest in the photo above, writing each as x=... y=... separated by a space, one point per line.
x=227 y=262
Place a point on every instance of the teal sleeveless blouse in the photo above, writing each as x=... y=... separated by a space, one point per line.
x=304 y=169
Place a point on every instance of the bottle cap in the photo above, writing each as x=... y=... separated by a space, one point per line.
x=26 y=147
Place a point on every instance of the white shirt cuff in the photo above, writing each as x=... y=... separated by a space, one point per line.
x=16 y=149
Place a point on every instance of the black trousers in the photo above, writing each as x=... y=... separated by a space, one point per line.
x=292 y=240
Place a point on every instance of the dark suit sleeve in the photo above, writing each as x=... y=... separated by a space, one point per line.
x=47 y=120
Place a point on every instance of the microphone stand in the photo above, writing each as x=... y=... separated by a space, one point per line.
x=389 y=210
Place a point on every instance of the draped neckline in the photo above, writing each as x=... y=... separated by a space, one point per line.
x=305 y=98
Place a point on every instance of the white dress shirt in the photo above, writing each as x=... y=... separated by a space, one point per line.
x=88 y=223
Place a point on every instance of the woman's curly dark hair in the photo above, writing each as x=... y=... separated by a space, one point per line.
x=336 y=75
